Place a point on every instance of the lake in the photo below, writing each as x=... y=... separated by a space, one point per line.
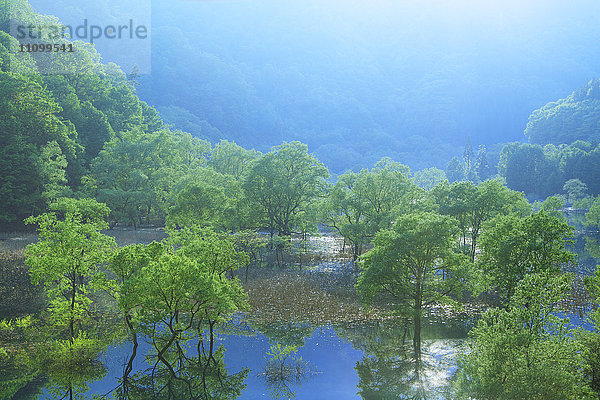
x=345 y=362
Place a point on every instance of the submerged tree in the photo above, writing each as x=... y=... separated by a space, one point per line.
x=360 y=204
x=67 y=257
x=515 y=247
x=526 y=351
x=472 y=205
x=414 y=265
x=282 y=183
x=182 y=284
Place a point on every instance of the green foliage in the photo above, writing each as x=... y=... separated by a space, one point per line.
x=455 y=170
x=53 y=171
x=413 y=265
x=66 y=261
x=19 y=365
x=280 y=353
x=527 y=168
x=482 y=166
x=429 y=177
x=281 y=185
x=591 y=340
x=230 y=159
x=525 y=352
x=553 y=206
x=79 y=351
x=542 y=171
x=29 y=123
x=284 y=369
x=360 y=204
x=180 y=282
x=515 y=247
x=205 y=197
x=593 y=215
x=197 y=204
x=58 y=112
x=472 y=205
x=470 y=172
x=575 y=189
x=567 y=120
x=135 y=173
x=177 y=375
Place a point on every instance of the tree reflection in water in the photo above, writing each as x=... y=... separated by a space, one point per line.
x=285 y=371
x=72 y=383
x=176 y=375
x=390 y=368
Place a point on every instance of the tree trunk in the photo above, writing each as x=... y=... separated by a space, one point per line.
x=72 y=318
x=418 y=307
x=417 y=335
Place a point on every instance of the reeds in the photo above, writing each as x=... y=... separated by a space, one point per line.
x=290 y=296
x=18 y=296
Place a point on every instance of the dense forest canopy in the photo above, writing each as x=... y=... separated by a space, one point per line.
x=360 y=80
x=279 y=122
x=279 y=83
x=567 y=120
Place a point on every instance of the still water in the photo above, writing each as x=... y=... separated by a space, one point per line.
x=351 y=361
x=356 y=361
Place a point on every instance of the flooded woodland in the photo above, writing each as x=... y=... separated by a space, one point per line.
x=305 y=335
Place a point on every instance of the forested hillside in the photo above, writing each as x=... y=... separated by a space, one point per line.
x=278 y=206
x=87 y=133
x=358 y=82
x=53 y=126
x=576 y=117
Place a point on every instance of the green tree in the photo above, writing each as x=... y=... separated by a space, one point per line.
x=526 y=351
x=472 y=205
x=29 y=123
x=592 y=217
x=205 y=197
x=413 y=265
x=201 y=204
x=183 y=284
x=591 y=339
x=53 y=172
x=482 y=166
x=469 y=162
x=527 y=168
x=553 y=206
x=575 y=189
x=361 y=204
x=66 y=260
x=569 y=119
x=230 y=159
x=282 y=183
x=515 y=247
x=429 y=177
x=135 y=173
x=455 y=170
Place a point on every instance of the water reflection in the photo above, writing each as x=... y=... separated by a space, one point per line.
x=285 y=371
x=72 y=383
x=368 y=361
x=391 y=369
x=177 y=375
x=587 y=247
